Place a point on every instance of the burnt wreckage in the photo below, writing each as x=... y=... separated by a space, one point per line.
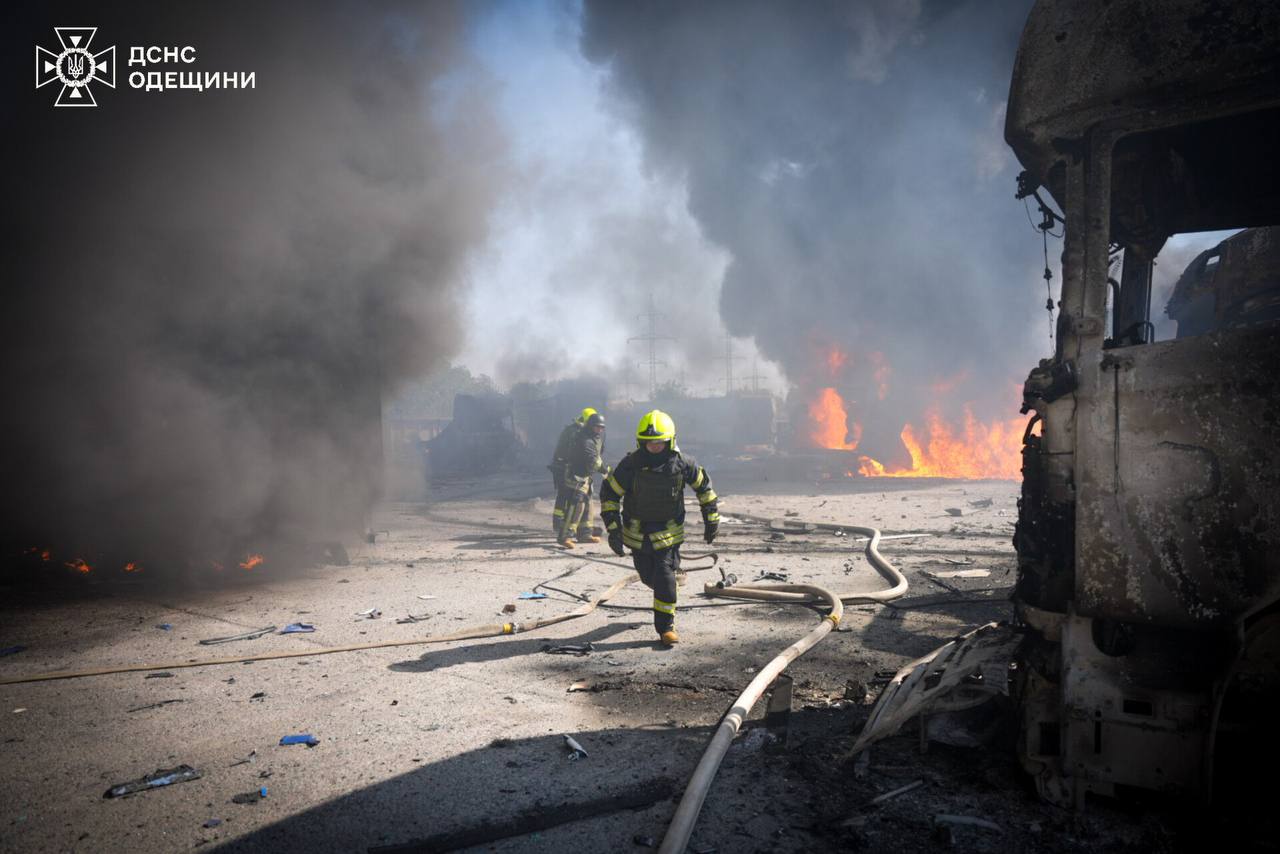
x=1149 y=524
x=1146 y=646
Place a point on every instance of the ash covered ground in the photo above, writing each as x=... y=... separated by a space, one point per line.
x=421 y=740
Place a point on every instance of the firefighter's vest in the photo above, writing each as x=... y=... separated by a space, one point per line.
x=655 y=496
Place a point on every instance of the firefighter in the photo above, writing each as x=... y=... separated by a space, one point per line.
x=586 y=457
x=560 y=463
x=642 y=502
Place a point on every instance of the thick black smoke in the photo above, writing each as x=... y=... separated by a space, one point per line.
x=849 y=156
x=208 y=293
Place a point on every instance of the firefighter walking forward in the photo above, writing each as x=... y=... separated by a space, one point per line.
x=585 y=459
x=642 y=502
x=560 y=464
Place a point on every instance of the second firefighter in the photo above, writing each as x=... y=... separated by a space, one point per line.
x=642 y=503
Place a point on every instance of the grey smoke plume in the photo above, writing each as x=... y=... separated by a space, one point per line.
x=849 y=158
x=209 y=293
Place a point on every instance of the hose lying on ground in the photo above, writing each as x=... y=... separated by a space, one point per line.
x=487 y=631
x=695 y=793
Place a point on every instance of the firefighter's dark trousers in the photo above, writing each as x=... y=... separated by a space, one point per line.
x=575 y=510
x=557 y=515
x=658 y=572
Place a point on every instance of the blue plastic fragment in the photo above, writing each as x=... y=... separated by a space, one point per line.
x=293 y=628
x=305 y=738
x=532 y=596
x=10 y=650
x=262 y=792
x=164 y=626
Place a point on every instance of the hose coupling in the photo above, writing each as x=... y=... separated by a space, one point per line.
x=835 y=621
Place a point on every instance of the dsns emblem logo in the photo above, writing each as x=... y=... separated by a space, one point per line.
x=75 y=67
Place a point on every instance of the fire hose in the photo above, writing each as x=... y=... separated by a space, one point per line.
x=695 y=794
x=485 y=631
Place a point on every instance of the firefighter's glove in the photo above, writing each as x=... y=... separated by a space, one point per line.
x=615 y=542
x=709 y=531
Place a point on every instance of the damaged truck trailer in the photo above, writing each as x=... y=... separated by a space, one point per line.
x=1148 y=535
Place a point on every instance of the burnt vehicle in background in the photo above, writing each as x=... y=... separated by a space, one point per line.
x=1148 y=535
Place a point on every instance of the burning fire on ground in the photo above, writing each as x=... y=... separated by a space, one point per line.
x=938 y=448
x=251 y=561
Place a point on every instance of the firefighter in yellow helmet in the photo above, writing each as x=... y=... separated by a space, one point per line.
x=560 y=464
x=585 y=459
x=642 y=502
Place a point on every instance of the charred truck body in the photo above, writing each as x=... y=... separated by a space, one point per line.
x=1148 y=535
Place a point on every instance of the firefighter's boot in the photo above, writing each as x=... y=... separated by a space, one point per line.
x=670 y=638
x=567 y=543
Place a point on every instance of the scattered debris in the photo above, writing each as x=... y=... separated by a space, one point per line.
x=153 y=705
x=981 y=502
x=19 y=710
x=369 y=614
x=249 y=797
x=791 y=513
x=768 y=575
x=962 y=573
x=777 y=537
x=578 y=649
x=425 y=596
x=161 y=777
x=164 y=627
x=304 y=738
x=213 y=822
x=414 y=618
x=953 y=511
x=260 y=695
x=576 y=750
x=508 y=609
x=249 y=635
x=597 y=687
x=11 y=650
x=248 y=760
x=294 y=628
x=532 y=596
x=901 y=790
x=163 y=674
x=644 y=841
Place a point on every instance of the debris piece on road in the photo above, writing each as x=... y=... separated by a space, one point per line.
x=536 y=819
x=981 y=502
x=531 y=595
x=249 y=635
x=901 y=790
x=953 y=511
x=163 y=674
x=768 y=575
x=248 y=760
x=153 y=705
x=161 y=777
x=260 y=695
x=963 y=573
x=11 y=650
x=425 y=596
x=578 y=649
x=597 y=687
x=967 y=821
x=304 y=738
x=955 y=562
x=294 y=628
x=414 y=618
x=776 y=537
x=369 y=614
x=644 y=841
x=213 y=822
x=249 y=797
x=508 y=609
x=164 y=627
x=19 y=710
x=575 y=750
x=791 y=513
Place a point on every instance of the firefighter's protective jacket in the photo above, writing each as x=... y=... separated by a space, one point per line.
x=584 y=459
x=560 y=459
x=645 y=496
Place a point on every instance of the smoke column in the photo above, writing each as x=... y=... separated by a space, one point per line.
x=208 y=293
x=850 y=159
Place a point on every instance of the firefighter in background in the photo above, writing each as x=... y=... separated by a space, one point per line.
x=560 y=464
x=586 y=457
x=642 y=503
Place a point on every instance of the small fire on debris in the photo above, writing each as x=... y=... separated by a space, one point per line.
x=831 y=423
x=133 y=566
x=251 y=561
x=79 y=565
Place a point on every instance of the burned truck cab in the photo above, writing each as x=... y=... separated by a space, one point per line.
x=1148 y=536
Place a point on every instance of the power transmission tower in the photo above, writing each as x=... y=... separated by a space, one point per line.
x=755 y=376
x=729 y=359
x=652 y=337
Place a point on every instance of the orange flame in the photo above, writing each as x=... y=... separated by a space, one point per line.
x=836 y=360
x=251 y=561
x=133 y=566
x=45 y=555
x=79 y=565
x=831 y=423
x=978 y=451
